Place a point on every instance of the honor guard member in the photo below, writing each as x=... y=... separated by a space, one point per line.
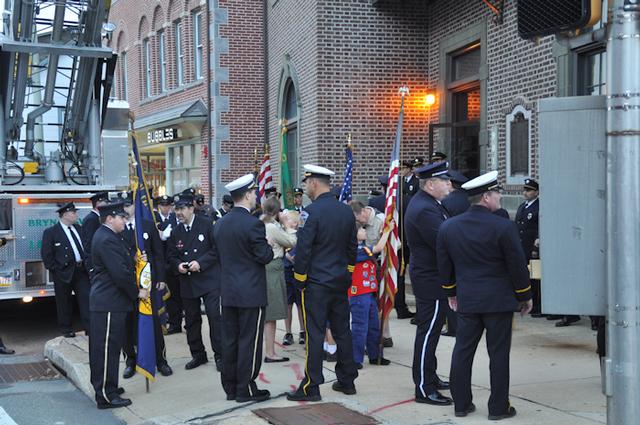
x=113 y=295
x=424 y=216
x=155 y=256
x=227 y=205
x=484 y=273
x=192 y=254
x=325 y=259
x=297 y=199
x=409 y=180
x=437 y=157
x=378 y=201
x=166 y=222
x=63 y=255
x=244 y=292
x=90 y=224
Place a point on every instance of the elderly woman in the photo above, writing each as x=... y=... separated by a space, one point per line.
x=281 y=236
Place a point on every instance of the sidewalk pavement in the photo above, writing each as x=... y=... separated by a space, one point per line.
x=555 y=379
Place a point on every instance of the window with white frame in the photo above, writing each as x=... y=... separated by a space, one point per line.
x=177 y=31
x=162 y=55
x=146 y=51
x=518 y=129
x=197 y=42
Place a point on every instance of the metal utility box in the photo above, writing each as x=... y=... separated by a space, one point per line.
x=573 y=204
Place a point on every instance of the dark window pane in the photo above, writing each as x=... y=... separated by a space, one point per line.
x=465 y=65
x=292 y=153
x=291 y=105
x=519 y=145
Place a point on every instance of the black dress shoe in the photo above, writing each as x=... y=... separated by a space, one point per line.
x=219 y=365
x=300 y=396
x=413 y=321
x=302 y=336
x=128 y=372
x=288 y=339
x=406 y=315
x=510 y=413
x=383 y=362
x=567 y=321
x=280 y=360
x=387 y=342
x=537 y=315
x=195 y=362
x=337 y=386
x=442 y=385
x=434 y=398
x=120 y=391
x=553 y=317
x=69 y=334
x=115 y=403
x=462 y=414
x=447 y=333
x=165 y=370
x=359 y=366
x=258 y=396
x=5 y=350
x=331 y=358
x=174 y=330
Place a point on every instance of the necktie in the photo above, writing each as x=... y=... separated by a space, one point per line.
x=76 y=242
x=131 y=227
x=187 y=227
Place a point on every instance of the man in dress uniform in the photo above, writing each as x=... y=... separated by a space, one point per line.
x=113 y=296
x=244 y=292
x=227 y=205
x=297 y=199
x=378 y=201
x=437 y=157
x=424 y=216
x=483 y=271
x=192 y=254
x=325 y=258
x=90 y=224
x=63 y=255
x=155 y=257
x=166 y=221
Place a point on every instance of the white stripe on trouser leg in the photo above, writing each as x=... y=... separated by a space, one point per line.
x=106 y=357
x=255 y=348
x=424 y=348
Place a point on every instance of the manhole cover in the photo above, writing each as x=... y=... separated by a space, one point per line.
x=314 y=414
x=10 y=373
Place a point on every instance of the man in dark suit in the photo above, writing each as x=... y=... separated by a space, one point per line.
x=244 y=292
x=192 y=255
x=297 y=199
x=325 y=258
x=424 y=216
x=63 y=255
x=113 y=296
x=154 y=251
x=90 y=224
x=166 y=221
x=484 y=274
x=227 y=205
x=379 y=200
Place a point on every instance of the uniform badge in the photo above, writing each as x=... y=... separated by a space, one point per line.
x=529 y=216
x=200 y=237
x=303 y=218
x=410 y=187
x=145 y=236
x=56 y=244
x=373 y=285
x=366 y=283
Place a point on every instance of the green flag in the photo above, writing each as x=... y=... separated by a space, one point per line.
x=285 y=177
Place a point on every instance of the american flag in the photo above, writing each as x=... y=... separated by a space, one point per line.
x=345 y=192
x=390 y=261
x=264 y=178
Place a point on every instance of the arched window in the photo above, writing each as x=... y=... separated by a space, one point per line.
x=291 y=115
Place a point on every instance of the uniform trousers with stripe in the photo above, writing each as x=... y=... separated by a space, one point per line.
x=193 y=324
x=242 y=330
x=470 y=329
x=105 y=343
x=321 y=305
x=430 y=315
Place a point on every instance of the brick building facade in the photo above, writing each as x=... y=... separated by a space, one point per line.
x=329 y=68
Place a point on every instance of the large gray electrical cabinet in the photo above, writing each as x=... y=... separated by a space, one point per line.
x=573 y=204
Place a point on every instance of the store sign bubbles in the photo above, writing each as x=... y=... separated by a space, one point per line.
x=164 y=135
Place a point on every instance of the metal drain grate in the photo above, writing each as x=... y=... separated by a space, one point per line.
x=314 y=414
x=10 y=373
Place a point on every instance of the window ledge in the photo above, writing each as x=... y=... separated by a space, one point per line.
x=173 y=91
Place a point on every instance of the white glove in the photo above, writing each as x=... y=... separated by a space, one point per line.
x=164 y=235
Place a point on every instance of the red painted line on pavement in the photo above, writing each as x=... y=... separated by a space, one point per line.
x=297 y=369
x=388 y=406
x=262 y=378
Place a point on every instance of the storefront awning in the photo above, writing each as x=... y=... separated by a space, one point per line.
x=185 y=112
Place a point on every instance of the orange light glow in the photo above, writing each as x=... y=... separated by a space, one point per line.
x=23 y=201
x=430 y=99
x=42 y=292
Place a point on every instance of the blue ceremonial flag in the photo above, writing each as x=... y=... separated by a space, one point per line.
x=345 y=192
x=146 y=356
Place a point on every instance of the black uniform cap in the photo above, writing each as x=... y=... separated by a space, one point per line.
x=298 y=191
x=114 y=208
x=457 y=177
x=383 y=180
x=531 y=184
x=183 y=200
x=438 y=156
x=69 y=206
x=227 y=199
x=437 y=169
x=100 y=196
x=164 y=200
